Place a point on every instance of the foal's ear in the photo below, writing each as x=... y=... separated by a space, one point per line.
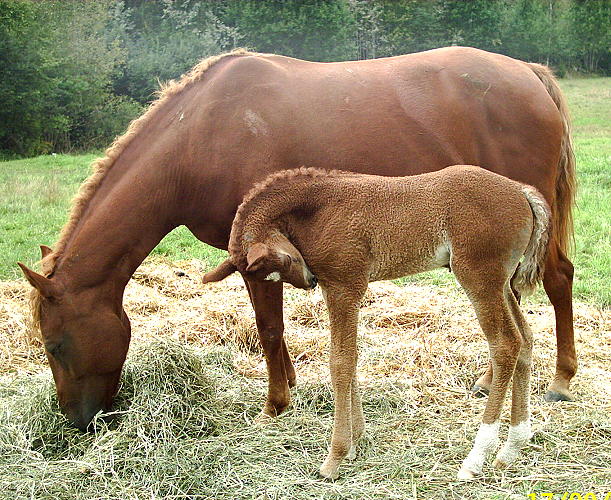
x=44 y=285
x=220 y=272
x=256 y=256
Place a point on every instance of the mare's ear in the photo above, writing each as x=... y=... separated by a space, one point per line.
x=45 y=250
x=44 y=285
x=220 y=272
x=256 y=256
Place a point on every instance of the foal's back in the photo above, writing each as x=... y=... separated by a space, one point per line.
x=392 y=227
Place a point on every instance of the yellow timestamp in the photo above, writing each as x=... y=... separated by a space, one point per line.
x=567 y=495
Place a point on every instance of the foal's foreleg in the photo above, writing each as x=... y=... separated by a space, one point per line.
x=505 y=341
x=357 y=417
x=343 y=315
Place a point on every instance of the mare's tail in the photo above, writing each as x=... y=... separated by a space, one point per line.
x=530 y=271
x=566 y=182
x=220 y=272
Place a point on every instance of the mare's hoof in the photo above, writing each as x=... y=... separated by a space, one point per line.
x=479 y=392
x=263 y=418
x=554 y=396
x=465 y=474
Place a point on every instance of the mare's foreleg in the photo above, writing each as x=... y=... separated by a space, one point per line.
x=266 y=299
x=343 y=314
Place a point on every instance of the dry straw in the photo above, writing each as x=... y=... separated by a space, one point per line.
x=195 y=380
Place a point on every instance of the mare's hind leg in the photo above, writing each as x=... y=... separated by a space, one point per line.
x=519 y=430
x=558 y=282
x=266 y=299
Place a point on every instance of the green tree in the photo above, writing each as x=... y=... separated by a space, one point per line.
x=58 y=65
x=317 y=30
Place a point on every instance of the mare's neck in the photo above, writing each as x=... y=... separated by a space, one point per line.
x=130 y=212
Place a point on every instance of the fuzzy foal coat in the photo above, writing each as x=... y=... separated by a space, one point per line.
x=348 y=230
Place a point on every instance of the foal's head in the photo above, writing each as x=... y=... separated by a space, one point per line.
x=275 y=260
x=279 y=261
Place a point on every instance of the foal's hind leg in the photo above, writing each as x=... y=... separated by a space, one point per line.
x=266 y=299
x=504 y=339
x=482 y=385
x=519 y=430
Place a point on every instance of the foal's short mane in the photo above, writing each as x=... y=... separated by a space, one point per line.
x=276 y=181
x=101 y=166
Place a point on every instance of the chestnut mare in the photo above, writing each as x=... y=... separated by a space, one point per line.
x=345 y=230
x=236 y=118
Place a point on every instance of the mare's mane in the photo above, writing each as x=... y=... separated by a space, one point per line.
x=101 y=166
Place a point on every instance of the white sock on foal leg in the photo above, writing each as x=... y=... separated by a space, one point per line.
x=486 y=441
x=518 y=438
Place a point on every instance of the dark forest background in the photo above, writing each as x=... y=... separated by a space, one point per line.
x=73 y=73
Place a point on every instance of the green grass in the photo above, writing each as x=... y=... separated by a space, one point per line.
x=35 y=193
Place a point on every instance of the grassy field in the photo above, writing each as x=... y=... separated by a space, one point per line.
x=35 y=194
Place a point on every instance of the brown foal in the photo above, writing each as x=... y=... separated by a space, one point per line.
x=344 y=230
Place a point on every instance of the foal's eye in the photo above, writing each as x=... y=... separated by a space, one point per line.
x=294 y=260
x=53 y=349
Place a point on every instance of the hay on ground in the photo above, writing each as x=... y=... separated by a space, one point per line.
x=183 y=424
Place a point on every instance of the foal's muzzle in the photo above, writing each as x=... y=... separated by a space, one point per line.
x=313 y=282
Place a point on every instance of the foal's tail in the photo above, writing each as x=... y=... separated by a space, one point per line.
x=530 y=271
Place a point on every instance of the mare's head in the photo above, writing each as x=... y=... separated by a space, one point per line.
x=86 y=341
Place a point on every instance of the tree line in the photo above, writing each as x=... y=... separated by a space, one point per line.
x=73 y=73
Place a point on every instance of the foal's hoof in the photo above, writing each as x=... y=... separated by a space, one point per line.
x=554 y=396
x=499 y=464
x=480 y=392
x=328 y=473
x=465 y=474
